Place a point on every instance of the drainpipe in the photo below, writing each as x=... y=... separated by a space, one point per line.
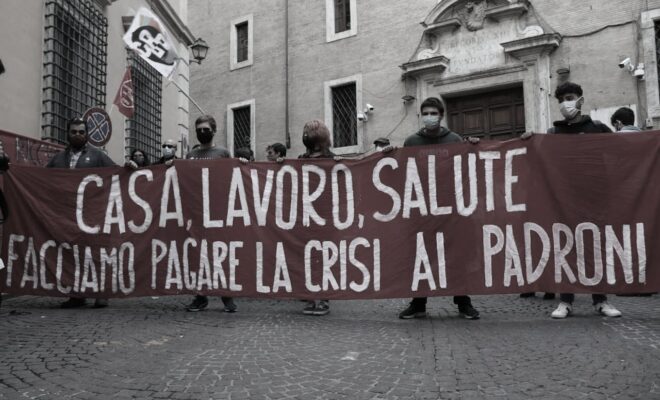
x=287 y=140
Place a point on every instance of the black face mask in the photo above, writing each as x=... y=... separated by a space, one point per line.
x=204 y=136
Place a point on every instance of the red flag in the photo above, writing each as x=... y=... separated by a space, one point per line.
x=124 y=97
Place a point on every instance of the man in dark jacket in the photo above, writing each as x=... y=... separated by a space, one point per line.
x=569 y=96
x=79 y=154
x=433 y=133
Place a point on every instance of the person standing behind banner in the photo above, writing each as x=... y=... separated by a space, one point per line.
x=276 y=151
x=79 y=154
x=138 y=159
x=205 y=127
x=433 y=133
x=569 y=96
x=316 y=138
x=623 y=120
x=169 y=152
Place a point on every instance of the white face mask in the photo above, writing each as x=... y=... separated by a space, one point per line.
x=431 y=121
x=569 y=109
x=168 y=152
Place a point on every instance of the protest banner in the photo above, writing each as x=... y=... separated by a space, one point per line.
x=556 y=213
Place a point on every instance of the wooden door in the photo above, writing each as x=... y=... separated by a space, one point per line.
x=495 y=115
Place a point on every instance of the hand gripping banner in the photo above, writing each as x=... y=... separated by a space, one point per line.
x=556 y=213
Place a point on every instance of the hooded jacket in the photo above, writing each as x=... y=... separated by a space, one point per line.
x=584 y=125
x=423 y=138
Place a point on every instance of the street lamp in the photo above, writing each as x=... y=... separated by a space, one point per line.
x=199 y=50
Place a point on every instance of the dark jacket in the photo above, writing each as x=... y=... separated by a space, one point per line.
x=422 y=138
x=89 y=158
x=585 y=125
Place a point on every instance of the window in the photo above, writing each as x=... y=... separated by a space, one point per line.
x=75 y=61
x=143 y=130
x=341 y=19
x=344 y=117
x=240 y=125
x=240 y=46
x=343 y=98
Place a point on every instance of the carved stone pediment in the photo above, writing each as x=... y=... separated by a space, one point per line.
x=467 y=34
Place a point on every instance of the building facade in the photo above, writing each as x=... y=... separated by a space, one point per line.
x=494 y=63
x=62 y=57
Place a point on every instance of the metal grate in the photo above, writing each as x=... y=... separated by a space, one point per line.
x=657 y=44
x=143 y=130
x=74 y=65
x=344 y=116
x=242 y=42
x=342 y=15
x=242 y=127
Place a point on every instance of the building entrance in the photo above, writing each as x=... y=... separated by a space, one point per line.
x=497 y=115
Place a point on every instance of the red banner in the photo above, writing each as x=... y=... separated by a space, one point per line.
x=124 y=97
x=556 y=213
x=27 y=151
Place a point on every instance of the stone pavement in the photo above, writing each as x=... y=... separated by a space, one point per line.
x=151 y=349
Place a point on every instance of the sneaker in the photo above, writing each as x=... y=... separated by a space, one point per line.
x=230 y=306
x=526 y=295
x=309 y=307
x=101 y=303
x=199 y=303
x=323 y=308
x=468 y=312
x=607 y=310
x=73 y=302
x=549 y=296
x=412 y=312
x=563 y=310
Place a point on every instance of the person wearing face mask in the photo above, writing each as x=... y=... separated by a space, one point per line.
x=168 y=152
x=569 y=96
x=432 y=112
x=570 y=99
x=205 y=127
x=79 y=154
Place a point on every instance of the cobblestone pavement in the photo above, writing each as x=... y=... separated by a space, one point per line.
x=151 y=349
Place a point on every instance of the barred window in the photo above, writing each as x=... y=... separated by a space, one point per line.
x=344 y=115
x=242 y=127
x=74 y=66
x=342 y=15
x=143 y=130
x=242 y=42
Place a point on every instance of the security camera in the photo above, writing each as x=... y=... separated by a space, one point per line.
x=362 y=117
x=639 y=72
x=370 y=107
x=626 y=64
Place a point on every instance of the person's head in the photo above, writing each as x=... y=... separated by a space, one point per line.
x=432 y=111
x=169 y=149
x=244 y=152
x=381 y=143
x=205 y=127
x=275 y=151
x=624 y=116
x=316 y=136
x=77 y=133
x=569 y=96
x=139 y=157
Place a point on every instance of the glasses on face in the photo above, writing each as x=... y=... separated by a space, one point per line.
x=168 y=146
x=204 y=130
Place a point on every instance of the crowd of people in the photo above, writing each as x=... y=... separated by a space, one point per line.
x=318 y=144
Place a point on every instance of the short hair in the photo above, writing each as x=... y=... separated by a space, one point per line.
x=318 y=136
x=567 y=87
x=625 y=115
x=278 y=148
x=75 y=121
x=207 y=118
x=433 y=102
x=244 y=152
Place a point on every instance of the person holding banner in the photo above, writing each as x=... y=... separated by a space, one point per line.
x=569 y=96
x=169 y=152
x=79 y=154
x=316 y=138
x=432 y=111
x=205 y=127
